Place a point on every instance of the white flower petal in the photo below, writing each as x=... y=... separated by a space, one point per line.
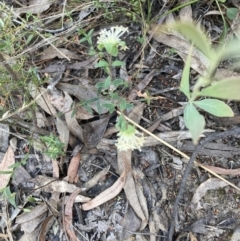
x=128 y=141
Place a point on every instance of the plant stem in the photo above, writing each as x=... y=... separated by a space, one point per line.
x=8 y=68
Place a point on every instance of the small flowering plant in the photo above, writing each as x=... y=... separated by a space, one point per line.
x=129 y=138
x=110 y=40
x=109 y=43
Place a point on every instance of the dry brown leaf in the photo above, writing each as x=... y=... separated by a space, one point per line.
x=223 y=171
x=73 y=168
x=55 y=169
x=185 y=13
x=199 y=61
x=68 y=216
x=142 y=85
x=192 y=237
x=51 y=53
x=124 y=163
x=35 y=6
x=49 y=184
x=106 y=195
x=63 y=132
x=82 y=114
x=87 y=64
x=35 y=212
x=236 y=234
x=46 y=225
x=4 y=135
x=31 y=225
x=72 y=123
x=146 y=96
x=210 y=184
x=42 y=101
x=93 y=181
x=85 y=92
x=57 y=100
x=93 y=131
x=8 y=160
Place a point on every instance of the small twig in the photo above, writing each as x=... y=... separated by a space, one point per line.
x=211 y=137
x=179 y=152
x=8 y=68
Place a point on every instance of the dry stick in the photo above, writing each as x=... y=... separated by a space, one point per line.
x=211 y=137
x=179 y=152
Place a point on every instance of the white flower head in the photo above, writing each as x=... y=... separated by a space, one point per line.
x=110 y=39
x=130 y=139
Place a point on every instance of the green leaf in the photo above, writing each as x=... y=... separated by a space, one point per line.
x=223 y=89
x=194 y=122
x=229 y=50
x=117 y=82
x=232 y=13
x=109 y=106
x=193 y=33
x=82 y=40
x=107 y=82
x=102 y=63
x=184 y=85
x=1 y=23
x=100 y=85
x=117 y=63
x=215 y=107
x=123 y=105
x=29 y=39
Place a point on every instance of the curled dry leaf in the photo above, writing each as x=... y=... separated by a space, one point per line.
x=93 y=181
x=72 y=123
x=68 y=216
x=85 y=92
x=93 y=131
x=106 y=195
x=185 y=13
x=42 y=101
x=223 y=171
x=124 y=163
x=35 y=212
x=8 y=160
x=73 y=168
x=34 y=7
x=49 y=184
x=210 y=184
x=142 y=85
x=63 y=132
x=4 y=135
x=46 y=225
x=51 y=53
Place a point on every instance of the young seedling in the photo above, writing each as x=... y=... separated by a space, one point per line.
x=228 y=88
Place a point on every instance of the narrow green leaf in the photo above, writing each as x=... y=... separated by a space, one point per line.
x=215 y=107
x=82 y=40
x=107 y=82
x=230 y=50
x=100 y=84
x=110 y=107
x=223 y=89
x=117 y=63
x=184 y=85
x=117 y=82
x=232 y=13
x=123 y=105
x=194 y=122
x=29 y=39
x=102 y=63
x=193 y=33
